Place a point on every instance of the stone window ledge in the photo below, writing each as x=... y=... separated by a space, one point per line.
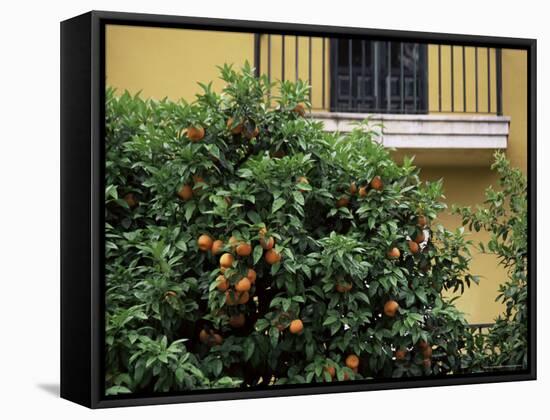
x=432 y=131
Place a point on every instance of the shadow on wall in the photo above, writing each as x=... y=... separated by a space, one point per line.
x=52 y=389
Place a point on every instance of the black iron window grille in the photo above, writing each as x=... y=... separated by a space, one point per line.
x=380 y=77
x=366 y=76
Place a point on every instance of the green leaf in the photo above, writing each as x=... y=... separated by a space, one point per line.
x=277 y=204
x=257 y=255
x=298 y=197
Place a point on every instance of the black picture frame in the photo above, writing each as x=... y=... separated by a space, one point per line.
x=82 y=201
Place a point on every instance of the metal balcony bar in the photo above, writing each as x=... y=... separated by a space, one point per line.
x=366 y=76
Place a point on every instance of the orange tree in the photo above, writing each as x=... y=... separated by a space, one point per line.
x=245 y=246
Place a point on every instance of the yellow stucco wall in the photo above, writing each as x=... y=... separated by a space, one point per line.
x=466 y=185
x=162 y=62
x=274 y=44
x=169 y=63
x=486 y=79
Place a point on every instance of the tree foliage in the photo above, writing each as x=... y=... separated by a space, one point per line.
x=357 y=266
x=504 y=216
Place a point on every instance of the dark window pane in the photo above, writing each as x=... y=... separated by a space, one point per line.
x=375 y=68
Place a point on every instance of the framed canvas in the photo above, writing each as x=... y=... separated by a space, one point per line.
x=256 y=209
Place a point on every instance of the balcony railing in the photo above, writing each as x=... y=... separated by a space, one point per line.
x=365 y=76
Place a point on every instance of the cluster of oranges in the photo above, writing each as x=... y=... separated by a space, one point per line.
x=196 y=132
x=375 y=184
x=352 y=362
x=239 y=290
x=424 y=349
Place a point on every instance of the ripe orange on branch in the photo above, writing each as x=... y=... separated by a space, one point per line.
x=377 y=184
x=131 y=200
x=300 y=109
x=185 y=192
x=413 y=247
x=296 y=326
x=267 y=244
x=390 y=308
x=420 y=237
x=422 y=221
x=237 y=321
x=205 y=243
x=272 y=257
x=401 y=354
x=217 y=247
x=427 y=352
x=222 y=284
x=195 y=133
x=352 y=361
x=251 y=276
x=243 y=285
x=226 y=260
x=237 y=129
x=394 y=253
x=342 y=201
x=243 y=249
x=331 y=370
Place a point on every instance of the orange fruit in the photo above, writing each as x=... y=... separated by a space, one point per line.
x=234 y=130
x=237 y=321
x=413 y=247
x=243 y=298
x=401 y=354
x=243 y=285
x=233 y=241
x=205 y=242
x=363 y=191
x=198 y=179
x=195 y=133
x=204 y=336
x=394 y=253
x=422 y=221
x=343 y=287
x=217 y=247
x=272 y=257
x=342 y=201
x=296 y=326
x=185 y=192
x=330 y=370
x=267 y=245
x=300 y=109
x=377 y=184
x=222 y=283
x=131 y=200
x=390 y=308
x=353 y=188
x=231 y=298
x=226 y=260
x=427 y=352
x=352 y=361
x=216 y=340
x=251 y=276
x=243 y=249
x=422 y=344
x=420 y=237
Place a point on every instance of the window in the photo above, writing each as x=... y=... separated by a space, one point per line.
x=379 y=77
